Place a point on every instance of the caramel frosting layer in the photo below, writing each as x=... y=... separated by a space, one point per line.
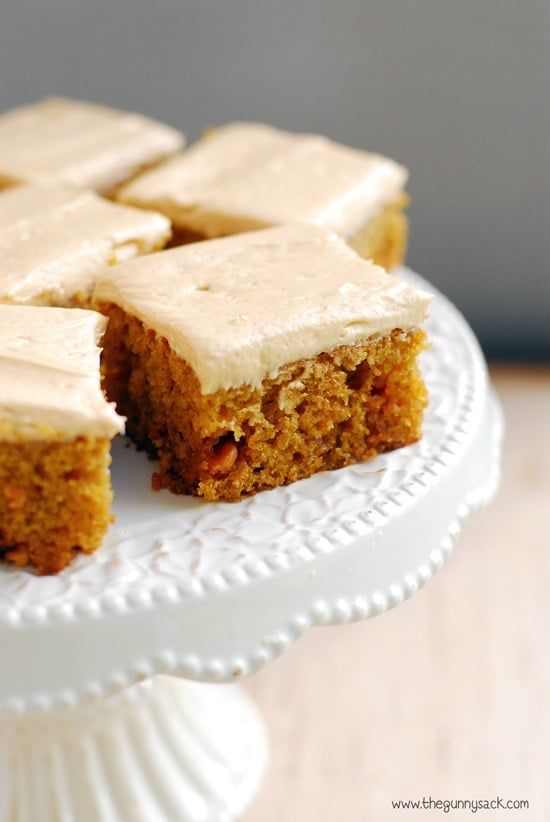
x=237 y=309
x=49 y=375
x=246 y=176
x=55 y=241
x=82 y=144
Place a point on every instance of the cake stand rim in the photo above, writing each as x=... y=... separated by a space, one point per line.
x=100 y=603
x=292 y=626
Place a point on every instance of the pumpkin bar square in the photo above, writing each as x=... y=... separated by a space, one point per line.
x=55 y=240
x=55 y=434
x=249 y=362
x=69 y=142
x=246 y=176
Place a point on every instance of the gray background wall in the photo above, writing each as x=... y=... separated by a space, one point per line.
x=458 y=91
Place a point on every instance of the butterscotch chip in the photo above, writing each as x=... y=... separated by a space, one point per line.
x=221 y=461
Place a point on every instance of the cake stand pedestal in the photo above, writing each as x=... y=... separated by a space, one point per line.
x=162 y=750
x=92 y=729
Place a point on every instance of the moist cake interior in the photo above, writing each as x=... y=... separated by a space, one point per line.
x=55 y=500
x=338 y=408
x=55 y=435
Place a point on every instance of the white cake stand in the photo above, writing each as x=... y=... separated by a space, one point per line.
x=213 y=592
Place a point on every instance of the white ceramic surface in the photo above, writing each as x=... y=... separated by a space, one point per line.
x=214 y=591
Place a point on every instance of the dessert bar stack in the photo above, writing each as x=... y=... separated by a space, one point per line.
x=267 y=343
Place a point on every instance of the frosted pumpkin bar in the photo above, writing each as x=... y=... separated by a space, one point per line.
x=81 y=144
x=55 y=435
x=252 y=361
x=55 y=241
x=246 y=176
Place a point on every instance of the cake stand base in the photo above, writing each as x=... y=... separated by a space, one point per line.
x=165 y=750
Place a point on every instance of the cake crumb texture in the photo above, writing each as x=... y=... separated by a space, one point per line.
x=384 y=238
x=338 y=408
x=55 y=500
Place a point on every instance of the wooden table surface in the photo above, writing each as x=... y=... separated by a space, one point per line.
x=446 y=696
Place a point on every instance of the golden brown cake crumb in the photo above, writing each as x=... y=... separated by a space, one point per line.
x=54 y=500
x=384 y=238
x=55 y=433
x=340 y=407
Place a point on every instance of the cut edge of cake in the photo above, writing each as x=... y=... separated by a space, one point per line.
x=56 y=429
